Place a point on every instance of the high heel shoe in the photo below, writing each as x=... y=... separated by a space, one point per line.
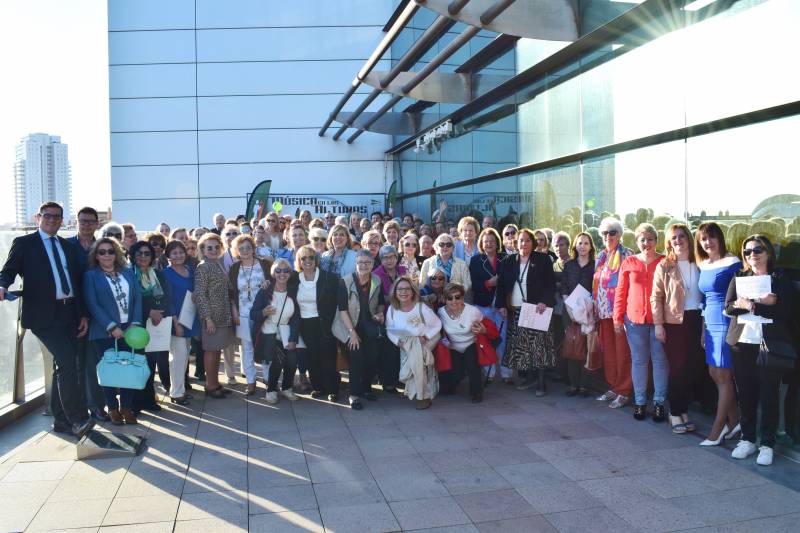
x=717 y=442
x=735 y=432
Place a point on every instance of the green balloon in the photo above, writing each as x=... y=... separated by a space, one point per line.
x=137 y=337
x=277 y=206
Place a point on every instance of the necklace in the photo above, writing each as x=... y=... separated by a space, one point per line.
x=248 y=286
x=119 y=294
x=455 y=318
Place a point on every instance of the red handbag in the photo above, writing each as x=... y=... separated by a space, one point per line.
x=574 y=344
x=442 y=358
x=487 y=355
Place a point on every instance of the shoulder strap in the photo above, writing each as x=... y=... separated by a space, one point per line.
x=421 y=314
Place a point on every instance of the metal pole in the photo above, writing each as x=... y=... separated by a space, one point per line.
x=378 y=114
x=416 y=49
x=441 y=57
x=456 y=6
x=368 y=100
x=384 y=45
x=490 y=14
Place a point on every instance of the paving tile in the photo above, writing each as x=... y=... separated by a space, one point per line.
x=428 y=513
x=151 y=527
x=307 y=521
x=462 y=528
x=568 y=496
x=430 y=443
x=280 y=499
x=230 y=505
x=276 y=455
x=443 y=461
x=217 y=525
x=141 y=509
x=213 y=479
x=406 y=463
x=154 y=483
x=508 y=455
x=579 y=430
x=529 y=524
x=386 y=447
x=559 y=449
x=531 y=474
x=774 y=524
x=332 y=471
x=38 y=471
x=609 y=445
x=335 y=452
x=277 y=475
x=495 y=505
x=583 y=520
x=83 y=489
x=608 y=490
x=582 y=468
x=67 y=515
x=362 y=518
x=403 y=486
x=470 y=480
x=674 y=483
x=347 y=493
x=17 y=516
x=258 y=437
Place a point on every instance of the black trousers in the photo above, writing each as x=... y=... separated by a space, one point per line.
x=463 y=363
x=362 y=365
x=146 y=398
x=95 y=396
x=389 y=361
x=196 y=347
x=68 y=400
x=757 y=385
x=321 y=356
x=683 y=351
x=574 y=372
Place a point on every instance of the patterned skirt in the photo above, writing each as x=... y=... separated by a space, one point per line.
x=528 y=349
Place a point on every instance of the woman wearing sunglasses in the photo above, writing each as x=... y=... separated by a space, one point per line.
x=510 y=238
x=114 y=302
x=316 y=297
x=216 y=307
x=409 y=255
x=616 y=354
x=432 y=294
x=455 y=269
x=318 y=238
x=275 y=321
x=461 y=323
x=758 y=383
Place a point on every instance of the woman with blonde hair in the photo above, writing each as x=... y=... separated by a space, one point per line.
x=392 y=232
x=467 y=244
x=454 y=268
x=340 y=258
x=415 y=330
x=676 y=302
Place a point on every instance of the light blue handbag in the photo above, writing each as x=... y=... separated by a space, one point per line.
x=124 y=370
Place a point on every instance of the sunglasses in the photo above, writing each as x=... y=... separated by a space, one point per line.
x=156 y=245
x=245 y=248
x=437 y=278
x=758 y=250
x=114 y=235
x=307 y=258
x=509 y=233
x=455 y=297
x=105 y=251
x=409 y=245
x=210 y=247
x=445 y=245
x=282 y=270
x=609 y=233
x=143 y=253
x=318 y=239
x=232 y=234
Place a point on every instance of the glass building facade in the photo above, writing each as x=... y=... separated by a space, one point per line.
x=675 y=113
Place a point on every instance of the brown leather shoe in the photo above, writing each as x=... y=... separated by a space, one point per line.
x=128 y=416
x=116 y=417
x=251 y=389
x=423 y=404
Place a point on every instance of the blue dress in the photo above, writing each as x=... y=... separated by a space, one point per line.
x=713 y=283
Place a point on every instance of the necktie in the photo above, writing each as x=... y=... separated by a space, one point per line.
x=61 y=274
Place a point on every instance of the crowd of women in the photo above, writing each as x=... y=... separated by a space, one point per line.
x=417 y=309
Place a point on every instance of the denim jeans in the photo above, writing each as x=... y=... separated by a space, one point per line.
x=644 y=349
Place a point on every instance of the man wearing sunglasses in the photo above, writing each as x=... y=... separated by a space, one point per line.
x=53 y=310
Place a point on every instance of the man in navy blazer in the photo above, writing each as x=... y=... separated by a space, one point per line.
x=53 y=310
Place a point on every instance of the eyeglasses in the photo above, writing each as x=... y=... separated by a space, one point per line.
x=310 y=258
x=50 y=216
x=509 y=233
x=758 y=250
x=454 y=298
x=437 y=278
x=210 y=247
x=143 y=253
x=156 y=245
x=445 y=245
x=609 y=233
x=365 y=263
x=86 y=221
x=105 y=251
x=114 y=235
x=409 y=245
x=245 y=248
x=404 y=289
x=232 y=234
x=282 y=270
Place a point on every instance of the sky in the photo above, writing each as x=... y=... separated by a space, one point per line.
x=54 y=58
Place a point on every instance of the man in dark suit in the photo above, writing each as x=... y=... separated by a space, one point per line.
x=53 y=310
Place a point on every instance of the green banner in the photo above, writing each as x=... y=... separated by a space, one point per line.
x=257 y=201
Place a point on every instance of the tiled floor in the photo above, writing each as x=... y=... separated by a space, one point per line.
x=512 y=463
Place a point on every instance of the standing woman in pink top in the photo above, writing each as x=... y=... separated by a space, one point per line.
x=632 y=308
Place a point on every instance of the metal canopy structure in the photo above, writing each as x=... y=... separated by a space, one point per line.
x=428 y=86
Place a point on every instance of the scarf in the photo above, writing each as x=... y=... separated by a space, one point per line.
x=446 y=267
x=149 y=282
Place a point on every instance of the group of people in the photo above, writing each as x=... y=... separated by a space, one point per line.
x=413 y=307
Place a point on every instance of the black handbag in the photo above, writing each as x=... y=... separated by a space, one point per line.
x=777 y=354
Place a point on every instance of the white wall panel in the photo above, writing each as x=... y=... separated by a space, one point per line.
x=277 y=111
x=286 y=44
x=250 y=13
x=227 y=205
x=153 y=114
x=153 y=148
x=147 y=214
x=141 y=81
x=267 y=146
x=307 y=77
x=306 y=177
x=150 y=14
x=164 y=181
x=151 y=47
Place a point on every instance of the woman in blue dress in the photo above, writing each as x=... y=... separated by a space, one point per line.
x=717 y=268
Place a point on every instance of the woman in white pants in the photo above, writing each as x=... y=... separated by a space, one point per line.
x=247 y=275
x=180 y=279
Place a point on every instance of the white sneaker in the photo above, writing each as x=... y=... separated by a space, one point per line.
x=607 y=396
x=289 y=395
x=271 y=397
x=744 y=449
x=231 y=381
x=619 y=401
x=764 y=456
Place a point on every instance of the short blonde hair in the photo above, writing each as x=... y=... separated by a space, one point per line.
x=278 y=262
x=342 y=228
x=645 y=227
x=303 y=251
x=369 y=234
x=469 y=221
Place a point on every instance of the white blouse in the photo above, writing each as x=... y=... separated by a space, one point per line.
x=401 y=324
x=459 y=329
x=120 y=287
x=517 y=297
x=691 y=274
x=307 y=296
x=271 y=323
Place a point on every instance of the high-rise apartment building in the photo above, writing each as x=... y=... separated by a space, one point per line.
x=41 y=174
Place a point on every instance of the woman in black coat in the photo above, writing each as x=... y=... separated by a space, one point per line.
x=758 y=384
x=527 y=277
